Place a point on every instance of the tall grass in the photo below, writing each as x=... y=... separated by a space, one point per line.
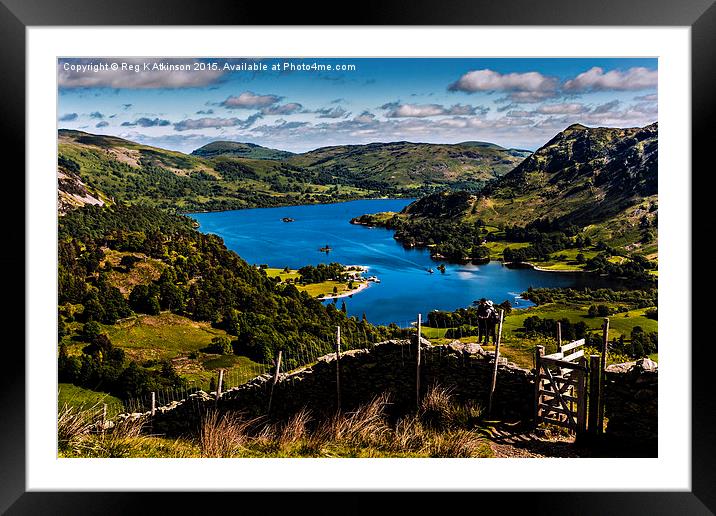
x=438 y=429
x=80 y=432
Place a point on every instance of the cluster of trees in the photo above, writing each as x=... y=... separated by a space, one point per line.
x=641 y=343
x=535 y=230
x=635 y=269
x=202 y=280
x=101 y=366
x=535 y=325
x=323 y=272
x=631 y=298
x=452 y=241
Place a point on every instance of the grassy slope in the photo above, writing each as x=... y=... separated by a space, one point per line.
x=601 y=179
x=266 y=177
x=415 y=165
x=85 y=399
x=184 y=182
x=172 y=337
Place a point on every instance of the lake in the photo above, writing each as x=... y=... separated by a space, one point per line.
x=259 y=236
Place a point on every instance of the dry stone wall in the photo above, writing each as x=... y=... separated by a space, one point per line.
x=630 y=390
x=388 y=367
x=631 y=401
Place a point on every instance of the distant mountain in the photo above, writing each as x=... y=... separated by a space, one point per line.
x=228 y=175
x=94 y=169
x=407 y=164
x=582 y=175
x=603 y=180
x=243 y=150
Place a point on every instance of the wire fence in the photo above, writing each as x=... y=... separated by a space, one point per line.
x=439 y=327
x=295 y=356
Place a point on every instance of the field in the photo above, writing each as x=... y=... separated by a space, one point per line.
x=519 y=348
x=151 y=338
x=85 y=399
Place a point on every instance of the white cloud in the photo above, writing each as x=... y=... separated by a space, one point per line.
x=529 y=84
x=250 y=100
x=365 y=118
x=595 y=79
x=98 y=73
x=334 y=112
x=397 y=110
x=215 y=123
x=283 y=109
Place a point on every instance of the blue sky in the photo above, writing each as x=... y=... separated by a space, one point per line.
x=293 y=105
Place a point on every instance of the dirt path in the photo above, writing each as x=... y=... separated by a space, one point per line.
x=509 y=442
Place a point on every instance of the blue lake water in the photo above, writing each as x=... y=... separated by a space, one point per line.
x=259 y=236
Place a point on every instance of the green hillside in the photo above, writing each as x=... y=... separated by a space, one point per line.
x=586 y=193
x=413 y=165
x=123 y=170
x=96 y=169
x=242 y=150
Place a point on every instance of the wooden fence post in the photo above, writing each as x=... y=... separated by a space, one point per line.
x=602 y=377
x=275 y=378
x=595 y=373
x=338 y=368
x=581 y=399
x=417 y=372
x=559 y=337
x=104 y=417
x=154 y=403
x=497 y=358
x=218 y=385
x=539 y=353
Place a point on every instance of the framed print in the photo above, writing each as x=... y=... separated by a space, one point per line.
x=420 y=251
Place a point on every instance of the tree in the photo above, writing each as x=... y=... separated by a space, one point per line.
x=506 y=306
x=220 y=345
x=90 y=331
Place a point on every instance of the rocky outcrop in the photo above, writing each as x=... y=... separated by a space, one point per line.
x=72 y=192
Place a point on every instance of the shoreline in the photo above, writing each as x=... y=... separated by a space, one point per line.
x=542 y=269
x=387 y=198
x=360 y=288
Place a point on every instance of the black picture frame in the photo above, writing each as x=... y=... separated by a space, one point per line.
x=17 y=15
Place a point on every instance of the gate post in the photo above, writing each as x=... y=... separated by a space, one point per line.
x=559 y=337
x=582 y=399
x=338 y=368
x=595 y=374
x=539 y=352
x=417 y=373
x=603 y=367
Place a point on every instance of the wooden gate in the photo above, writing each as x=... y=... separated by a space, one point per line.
x=560 y=387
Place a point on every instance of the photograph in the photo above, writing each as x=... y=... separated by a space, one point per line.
x=359 y=257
